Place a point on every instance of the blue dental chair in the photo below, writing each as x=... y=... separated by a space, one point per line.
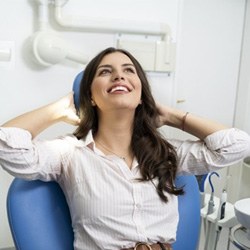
x=39 y=216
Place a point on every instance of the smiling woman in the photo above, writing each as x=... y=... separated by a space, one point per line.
x=117 y=171
x=115 y=76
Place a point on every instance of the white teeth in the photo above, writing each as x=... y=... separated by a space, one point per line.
x=118 y=88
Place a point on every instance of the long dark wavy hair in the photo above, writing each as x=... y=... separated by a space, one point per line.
x=156 y=157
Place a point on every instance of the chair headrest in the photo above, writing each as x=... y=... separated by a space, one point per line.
x=76 y=89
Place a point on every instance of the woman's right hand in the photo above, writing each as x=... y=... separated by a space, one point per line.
x=66 y=110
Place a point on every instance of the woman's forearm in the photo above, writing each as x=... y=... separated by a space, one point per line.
x=39 y=119
x=197 y=126
x=34 y=121
x=190 y=123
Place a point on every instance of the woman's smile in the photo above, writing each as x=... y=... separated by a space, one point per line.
x=119 y=89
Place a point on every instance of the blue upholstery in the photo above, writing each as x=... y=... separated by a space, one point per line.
x=188 y=231
x=76 y=89
x=39 y=217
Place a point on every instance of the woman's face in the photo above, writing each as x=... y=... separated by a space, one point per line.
x=116 y=85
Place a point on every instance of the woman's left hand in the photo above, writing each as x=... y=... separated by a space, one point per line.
x=169 y=116
x=162 y=115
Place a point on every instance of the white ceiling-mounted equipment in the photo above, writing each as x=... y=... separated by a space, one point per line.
x=157 y=55
x=49 y=49
x=154 y=55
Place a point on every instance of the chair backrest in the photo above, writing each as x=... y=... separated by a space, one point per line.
x=39 y=217
x=188 y=231
x=76 y=88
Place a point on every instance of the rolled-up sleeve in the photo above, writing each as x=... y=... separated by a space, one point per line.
x=31 y=159
x=220 y=149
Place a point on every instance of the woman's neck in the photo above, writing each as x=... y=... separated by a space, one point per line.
x=116 y=124
x=114 y=136
x=115 y=132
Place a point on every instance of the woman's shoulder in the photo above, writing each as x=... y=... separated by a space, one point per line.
x=71 y=140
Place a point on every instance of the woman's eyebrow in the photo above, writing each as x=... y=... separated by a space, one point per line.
x=128 y=64
x=104 y=66
x=109 y=66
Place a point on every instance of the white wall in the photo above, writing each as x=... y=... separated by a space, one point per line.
x=209 y=55
x=242 y=115
x=208 y=37
x=242 y=111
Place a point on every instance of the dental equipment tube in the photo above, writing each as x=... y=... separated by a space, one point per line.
x=220 y=215
x=201 y=182
x=210 y=210
x=222 y=208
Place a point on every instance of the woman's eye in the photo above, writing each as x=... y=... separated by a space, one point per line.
x=104 y=72
x=130 y=70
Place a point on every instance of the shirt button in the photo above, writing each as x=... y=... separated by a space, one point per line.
x=138 y=205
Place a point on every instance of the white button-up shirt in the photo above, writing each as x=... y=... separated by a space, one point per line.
x=110 y=209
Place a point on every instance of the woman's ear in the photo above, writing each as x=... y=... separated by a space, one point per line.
x=93 y=102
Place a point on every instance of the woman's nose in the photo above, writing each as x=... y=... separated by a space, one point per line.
x=118 y=76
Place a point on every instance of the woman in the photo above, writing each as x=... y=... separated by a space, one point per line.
x=116 y=171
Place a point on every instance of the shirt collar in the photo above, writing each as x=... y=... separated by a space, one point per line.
x=88 y=141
